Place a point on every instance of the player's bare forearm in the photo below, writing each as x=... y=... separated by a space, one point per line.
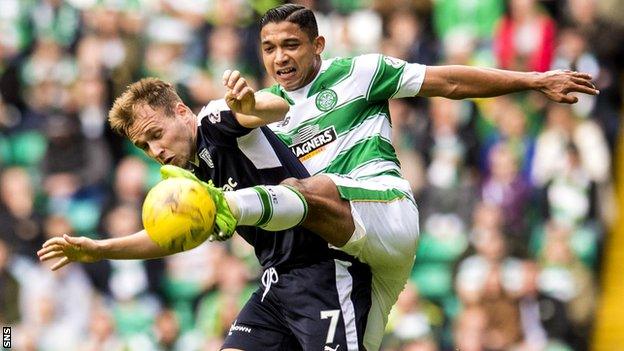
x=270 y=108
x=460 y=82
x=82 y=249
x=252 y=109
x=135 y=246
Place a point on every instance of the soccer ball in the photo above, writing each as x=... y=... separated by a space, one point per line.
x=178 y=214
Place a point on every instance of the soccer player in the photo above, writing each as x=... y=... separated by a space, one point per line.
x=339 y=127
x=313 y=297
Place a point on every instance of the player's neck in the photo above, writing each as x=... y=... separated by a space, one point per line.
x=194 y=126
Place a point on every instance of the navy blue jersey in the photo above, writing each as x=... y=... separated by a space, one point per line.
x=235 y=157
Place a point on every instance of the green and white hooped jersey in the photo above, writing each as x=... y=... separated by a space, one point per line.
x=340 y=122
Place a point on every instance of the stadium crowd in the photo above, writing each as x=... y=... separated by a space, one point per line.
x=514 y=193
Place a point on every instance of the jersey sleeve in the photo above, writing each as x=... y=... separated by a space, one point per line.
x=392 y=78
x=218 y=121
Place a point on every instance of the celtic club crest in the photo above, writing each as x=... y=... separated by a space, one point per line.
x=326 y=100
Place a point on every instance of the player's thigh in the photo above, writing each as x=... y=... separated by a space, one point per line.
x=260 y=327
x=328 y=304
x=329 y=215
x=385 y=219
x=388 y=232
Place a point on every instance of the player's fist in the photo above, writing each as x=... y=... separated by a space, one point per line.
x=239 y=95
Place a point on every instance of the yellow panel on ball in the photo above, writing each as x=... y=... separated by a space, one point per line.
x=178 y=214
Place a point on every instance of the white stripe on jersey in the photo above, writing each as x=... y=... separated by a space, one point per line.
x=374 y=125
x=258 y=150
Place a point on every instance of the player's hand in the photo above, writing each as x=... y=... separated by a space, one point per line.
x=557 y=85
x=69 y=249
x=239 y=96
x=225 y=222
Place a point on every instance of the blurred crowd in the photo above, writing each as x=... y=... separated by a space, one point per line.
x=514 y=192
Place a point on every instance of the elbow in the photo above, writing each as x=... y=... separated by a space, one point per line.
x=455 y=93
x=454 y=90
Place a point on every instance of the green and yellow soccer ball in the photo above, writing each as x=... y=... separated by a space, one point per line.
x=178 y=214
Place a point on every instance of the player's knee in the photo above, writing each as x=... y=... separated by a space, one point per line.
x=294 y=183
x=314 y=188
x=302 y=187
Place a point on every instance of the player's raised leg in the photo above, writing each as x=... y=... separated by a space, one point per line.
x=375 y=220
x=329 y=216
x=270 y=207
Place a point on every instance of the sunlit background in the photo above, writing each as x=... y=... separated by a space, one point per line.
x=516 y=195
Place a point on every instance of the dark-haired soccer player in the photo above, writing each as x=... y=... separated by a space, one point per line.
x=339 y=127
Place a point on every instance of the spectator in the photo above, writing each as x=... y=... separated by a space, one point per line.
x=102 y=335
x=525 y=39
x=19 y=220
x=9 y=289
x=544 y=318
x=506 y=188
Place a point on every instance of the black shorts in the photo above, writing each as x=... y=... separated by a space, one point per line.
x=323 y=306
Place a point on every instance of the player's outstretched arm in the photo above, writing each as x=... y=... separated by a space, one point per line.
x=460 y=82
x=252 y=109
x=82 y=249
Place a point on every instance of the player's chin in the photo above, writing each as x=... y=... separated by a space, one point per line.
x=288 y=84
x=178 y=162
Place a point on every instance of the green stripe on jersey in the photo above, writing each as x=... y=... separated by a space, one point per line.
x=362 y=194
x=267 y=206
x=339 y=70
x=367 y=150
x=386 y=80
x=358 y=110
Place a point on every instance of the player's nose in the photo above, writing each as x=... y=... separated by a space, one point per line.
x=280 y=57
x=156 y=152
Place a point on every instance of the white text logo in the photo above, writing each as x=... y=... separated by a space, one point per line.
x=231 y=184
x=241 y=328
x=205 y=155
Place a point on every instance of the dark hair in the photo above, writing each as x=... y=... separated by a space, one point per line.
x=297 y=14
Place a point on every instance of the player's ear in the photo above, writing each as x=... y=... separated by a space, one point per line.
x=181 y=110
x=319 y=44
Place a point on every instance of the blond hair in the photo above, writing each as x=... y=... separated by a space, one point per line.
x=151 y=91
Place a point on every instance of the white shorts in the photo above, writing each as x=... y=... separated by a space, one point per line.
x=385 y=238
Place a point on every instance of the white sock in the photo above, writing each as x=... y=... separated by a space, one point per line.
x=270 y=207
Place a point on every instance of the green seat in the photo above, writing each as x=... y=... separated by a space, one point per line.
x=153 y=174
x=28 y=148
x=182 y=294
x=5 y=151
x=209 y=310
x=133 y=318
x=433 y=249
x=434 y=280
x=583 y=242
x=83 y=216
